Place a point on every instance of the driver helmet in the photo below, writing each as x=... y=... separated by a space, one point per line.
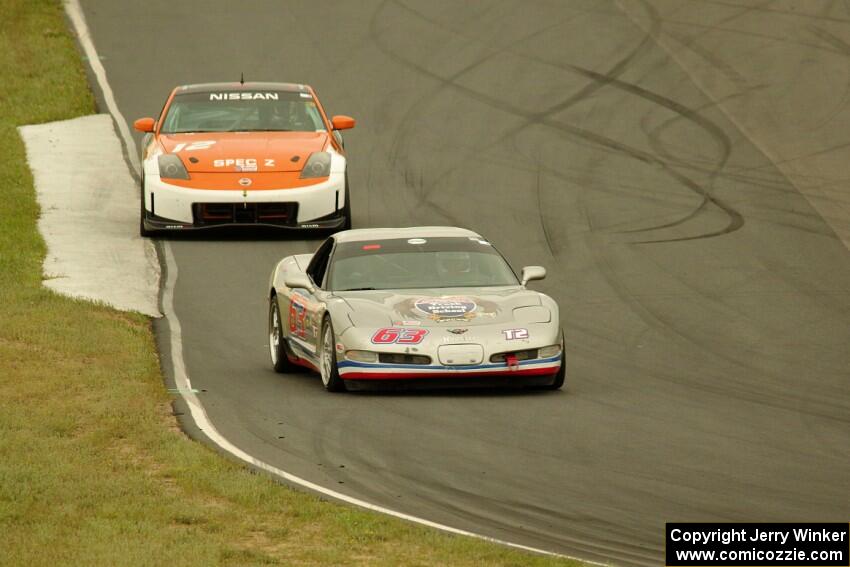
x=454 y=263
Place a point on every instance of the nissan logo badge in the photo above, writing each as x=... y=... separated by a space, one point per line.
x=244 y=182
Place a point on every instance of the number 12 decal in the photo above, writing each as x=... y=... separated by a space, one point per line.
x=199 y=145
x=391 y=335
x=514 y=334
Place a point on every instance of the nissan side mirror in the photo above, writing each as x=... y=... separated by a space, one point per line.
x=341 y=122
x=144 y=124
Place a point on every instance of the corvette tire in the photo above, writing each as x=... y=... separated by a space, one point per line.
x=558 y=380
x=327 y=359
x=277 y=343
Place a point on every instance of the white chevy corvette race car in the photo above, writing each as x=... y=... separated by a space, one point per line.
x=413 y=304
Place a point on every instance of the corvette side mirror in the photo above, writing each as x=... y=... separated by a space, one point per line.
x=144 y=124
x=299 y=280
x=341 y=122
x=533 y=273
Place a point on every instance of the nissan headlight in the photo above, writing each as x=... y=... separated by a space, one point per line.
x=171 y=167
x=318 y=165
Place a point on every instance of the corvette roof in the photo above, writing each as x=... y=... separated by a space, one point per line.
x=236 y=86
x=361 y=234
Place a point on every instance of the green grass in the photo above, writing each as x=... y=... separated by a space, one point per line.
x=93 y=470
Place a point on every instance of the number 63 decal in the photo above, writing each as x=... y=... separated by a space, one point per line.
x=297 y=315
x=391 y=335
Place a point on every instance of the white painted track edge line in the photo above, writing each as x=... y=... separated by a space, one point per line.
x=181 y=377
x=75 y=14
x=201 y=419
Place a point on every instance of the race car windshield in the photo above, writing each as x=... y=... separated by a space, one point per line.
x=243 y=111
x=411 y=263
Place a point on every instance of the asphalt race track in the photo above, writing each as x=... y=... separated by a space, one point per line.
x=705 y=302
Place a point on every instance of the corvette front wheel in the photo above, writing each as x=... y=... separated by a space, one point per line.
x=327 y=363
x=558 y=380
x=277 y=344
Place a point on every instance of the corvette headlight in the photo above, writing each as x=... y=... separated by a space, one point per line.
x=170 y=167
x=361 y=355
x=318 y=165
x=549 y=351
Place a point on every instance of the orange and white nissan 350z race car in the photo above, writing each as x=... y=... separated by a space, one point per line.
x=243 y=154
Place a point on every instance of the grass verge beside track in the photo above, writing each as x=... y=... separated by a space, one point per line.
x=93 y=470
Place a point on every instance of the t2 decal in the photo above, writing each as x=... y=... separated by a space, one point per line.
x=515 y=334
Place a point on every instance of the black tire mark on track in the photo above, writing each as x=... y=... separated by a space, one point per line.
x=530 y=118
x=830 y=149
x=695 y=117
x=781 y=12
x=743 y=390
x=736 y=220
x=779 y=39
x=598 y=81
x=844 y=48
x=547 y=237
x=396 y=145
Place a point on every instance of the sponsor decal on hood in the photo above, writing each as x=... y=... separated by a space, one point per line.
x=446 y=307
x=382 y=308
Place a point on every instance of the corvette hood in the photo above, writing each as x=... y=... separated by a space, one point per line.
x=444 y=307
x=226 y=152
